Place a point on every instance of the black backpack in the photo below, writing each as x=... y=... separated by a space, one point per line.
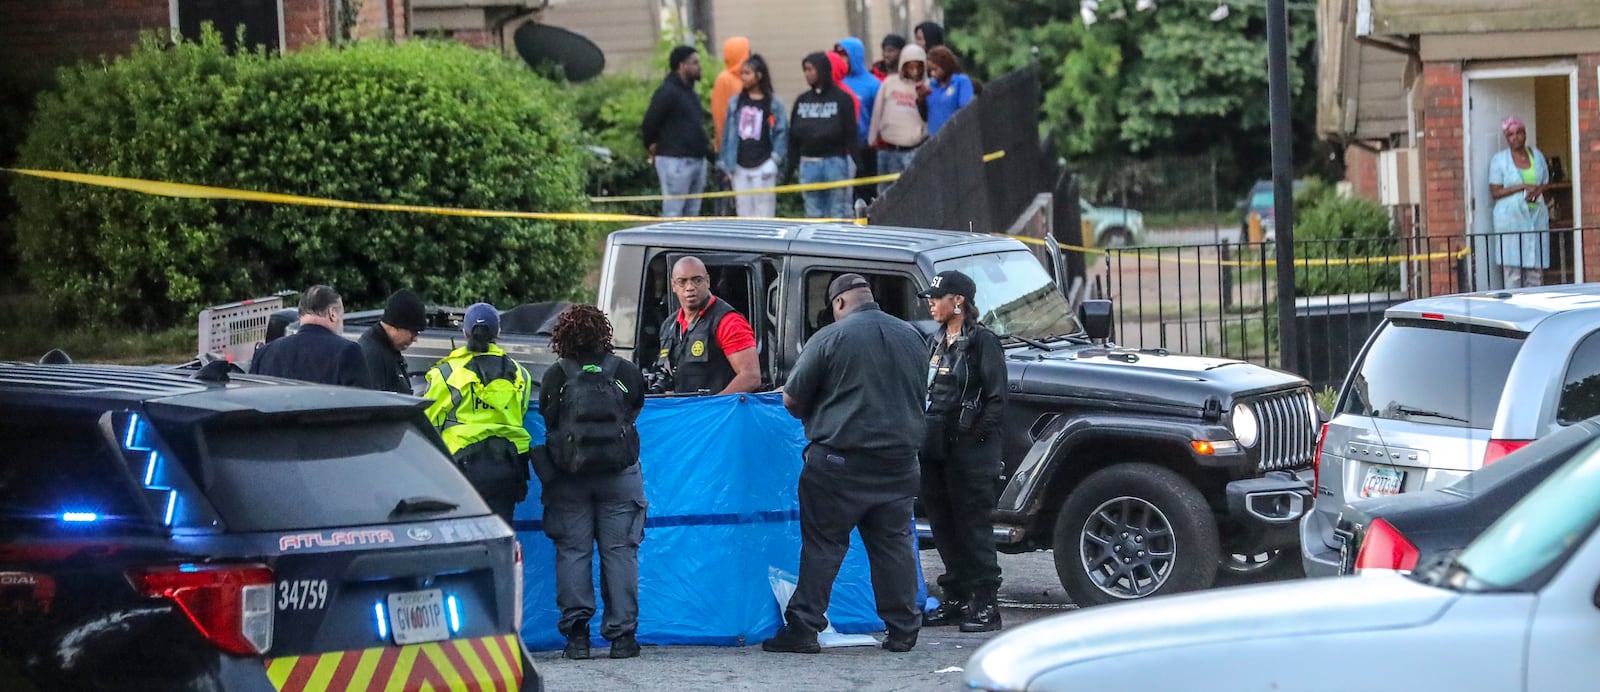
x=594 y=433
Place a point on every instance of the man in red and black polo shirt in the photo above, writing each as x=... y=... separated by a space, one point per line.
x=708 y=346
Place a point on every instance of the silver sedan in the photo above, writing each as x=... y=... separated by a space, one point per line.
x=1516 y=610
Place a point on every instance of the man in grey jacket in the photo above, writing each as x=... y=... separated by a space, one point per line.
x=859 y=388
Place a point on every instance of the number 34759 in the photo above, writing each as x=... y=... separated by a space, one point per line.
x=302 y=594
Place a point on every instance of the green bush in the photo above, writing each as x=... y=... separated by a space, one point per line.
x=422 y=122
x=1328 y=226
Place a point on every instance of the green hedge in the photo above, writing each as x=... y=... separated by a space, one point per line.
x=422 y=122
x=1330 y=226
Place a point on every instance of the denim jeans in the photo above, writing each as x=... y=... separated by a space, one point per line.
x=890 y=161
x=681 y=176
x=831 y=203
x=760 y=178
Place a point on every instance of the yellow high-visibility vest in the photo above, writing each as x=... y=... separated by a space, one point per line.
x=477 y=396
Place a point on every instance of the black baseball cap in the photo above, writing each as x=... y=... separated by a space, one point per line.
x=951 y=283
x=845 y=283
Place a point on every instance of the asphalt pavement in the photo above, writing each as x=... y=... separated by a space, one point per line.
x=1030 y=592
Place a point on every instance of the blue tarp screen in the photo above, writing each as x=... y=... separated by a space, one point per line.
x=720 y=475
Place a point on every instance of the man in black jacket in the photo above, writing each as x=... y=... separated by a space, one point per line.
x=822 y=132
x=316 y=353
x=859 y=388
x=404 y=317
x=674 y=131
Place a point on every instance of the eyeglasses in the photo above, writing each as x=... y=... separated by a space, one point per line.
x=686 y=281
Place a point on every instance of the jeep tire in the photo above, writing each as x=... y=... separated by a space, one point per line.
x=1132 y=531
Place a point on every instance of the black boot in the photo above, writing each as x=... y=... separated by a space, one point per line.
x=790 y=640
x=951 y=612
x=899 y=643
x=625 y=646
x=577 y=645
x=984 y=615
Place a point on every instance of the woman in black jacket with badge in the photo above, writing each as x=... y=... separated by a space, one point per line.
x=961 y=453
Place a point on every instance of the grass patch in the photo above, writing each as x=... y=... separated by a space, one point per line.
x=1326 y=399
x=29 y=331
x=1167 y=220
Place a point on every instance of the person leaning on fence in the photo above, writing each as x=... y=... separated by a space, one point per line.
x=1518 y=178
x=949 y=88
x=593 y=488
x=822 y=131
x=675 y=135
x=318 y=352
x=755 y=140
x=898 y=125
x=479 y=399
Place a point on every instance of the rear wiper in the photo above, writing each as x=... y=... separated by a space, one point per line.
x=421 y=505
x=1408 y=411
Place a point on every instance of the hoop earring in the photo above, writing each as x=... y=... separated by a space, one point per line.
x=958 y=309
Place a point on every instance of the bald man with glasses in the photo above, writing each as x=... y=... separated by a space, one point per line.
x=707 y=347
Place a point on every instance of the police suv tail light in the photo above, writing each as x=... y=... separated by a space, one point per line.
x=231 y=605
x=516 y=597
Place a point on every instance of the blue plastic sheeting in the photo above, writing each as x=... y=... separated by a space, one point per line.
x=720 y=474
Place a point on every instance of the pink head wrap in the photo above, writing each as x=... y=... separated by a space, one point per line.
x=1512 y=123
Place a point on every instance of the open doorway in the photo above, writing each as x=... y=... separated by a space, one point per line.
x=1544 y=97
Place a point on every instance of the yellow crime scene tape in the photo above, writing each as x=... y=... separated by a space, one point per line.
x=780 y=189
x=185 y=190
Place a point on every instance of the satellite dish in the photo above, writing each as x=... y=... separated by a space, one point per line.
x=579 y=57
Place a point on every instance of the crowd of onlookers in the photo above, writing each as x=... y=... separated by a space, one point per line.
x=854 y=120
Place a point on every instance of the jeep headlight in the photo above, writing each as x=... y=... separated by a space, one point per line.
x=1245 y=426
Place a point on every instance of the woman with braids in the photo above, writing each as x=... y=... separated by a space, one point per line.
x=961 y=453
x=595 y=492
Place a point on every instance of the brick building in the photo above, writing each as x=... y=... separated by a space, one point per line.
x=1416 y=89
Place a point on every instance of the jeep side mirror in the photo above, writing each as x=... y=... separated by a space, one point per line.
x=1096 y=318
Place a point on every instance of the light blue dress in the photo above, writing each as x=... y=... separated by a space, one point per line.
x=1513 y=215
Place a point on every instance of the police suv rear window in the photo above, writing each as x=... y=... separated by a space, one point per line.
x=1435 y=373
x=303 y=474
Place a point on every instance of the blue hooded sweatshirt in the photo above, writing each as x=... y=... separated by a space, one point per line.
x=861 y=81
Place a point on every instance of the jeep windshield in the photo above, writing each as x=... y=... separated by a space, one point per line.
x=291 y=473
x=1017 y=297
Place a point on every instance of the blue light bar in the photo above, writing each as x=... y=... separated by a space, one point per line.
x=172 y=504
x=383 y=620
x=79 y=517
x=455 y=614
x=133 y=438
x=150 y=469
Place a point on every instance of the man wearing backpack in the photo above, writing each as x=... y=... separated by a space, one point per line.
x=480 y=396
x=593 y=489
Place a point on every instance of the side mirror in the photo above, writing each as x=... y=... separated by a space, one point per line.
x=927 y=328
x=1096 y=318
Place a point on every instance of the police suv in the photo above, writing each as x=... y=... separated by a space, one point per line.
x=165 y=530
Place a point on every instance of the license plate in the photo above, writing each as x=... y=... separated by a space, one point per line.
x=418 y=616
x=1382 y=481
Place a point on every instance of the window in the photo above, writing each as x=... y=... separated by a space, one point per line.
x=58 y=463
x=338 y=473
x=1580 y=392
x=1435 y=373
x=259 y=18
x=1016 y=294
x=732 y=280
x=895 y=293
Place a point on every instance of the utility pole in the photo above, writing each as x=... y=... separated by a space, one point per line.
x=1282 y=180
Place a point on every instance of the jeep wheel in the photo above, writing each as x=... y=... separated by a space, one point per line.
x=1132 y=531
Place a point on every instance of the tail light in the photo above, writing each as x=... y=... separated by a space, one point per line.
x=1500 y=448
x=1384 y=548
x=1316 y=464
x=516 y=571
x=231 y=605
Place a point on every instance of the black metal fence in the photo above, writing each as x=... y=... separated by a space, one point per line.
x=949 y=185
x=1220 y=299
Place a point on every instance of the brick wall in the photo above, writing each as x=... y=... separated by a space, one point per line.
x=305 y=23
x=1444 y=190
x=39 y=36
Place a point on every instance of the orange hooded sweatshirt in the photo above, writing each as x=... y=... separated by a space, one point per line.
x=734 y=52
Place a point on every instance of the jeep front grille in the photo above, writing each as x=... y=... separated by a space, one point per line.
x=1288 y=432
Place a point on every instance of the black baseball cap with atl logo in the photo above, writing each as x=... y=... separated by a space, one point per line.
x=951 y=283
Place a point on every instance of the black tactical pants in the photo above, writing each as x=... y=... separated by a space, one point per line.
x=841 y=491
x=581 y=511
x=497 y=471
x=958 y=494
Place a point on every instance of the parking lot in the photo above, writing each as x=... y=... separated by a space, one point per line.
x=1031 y=591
